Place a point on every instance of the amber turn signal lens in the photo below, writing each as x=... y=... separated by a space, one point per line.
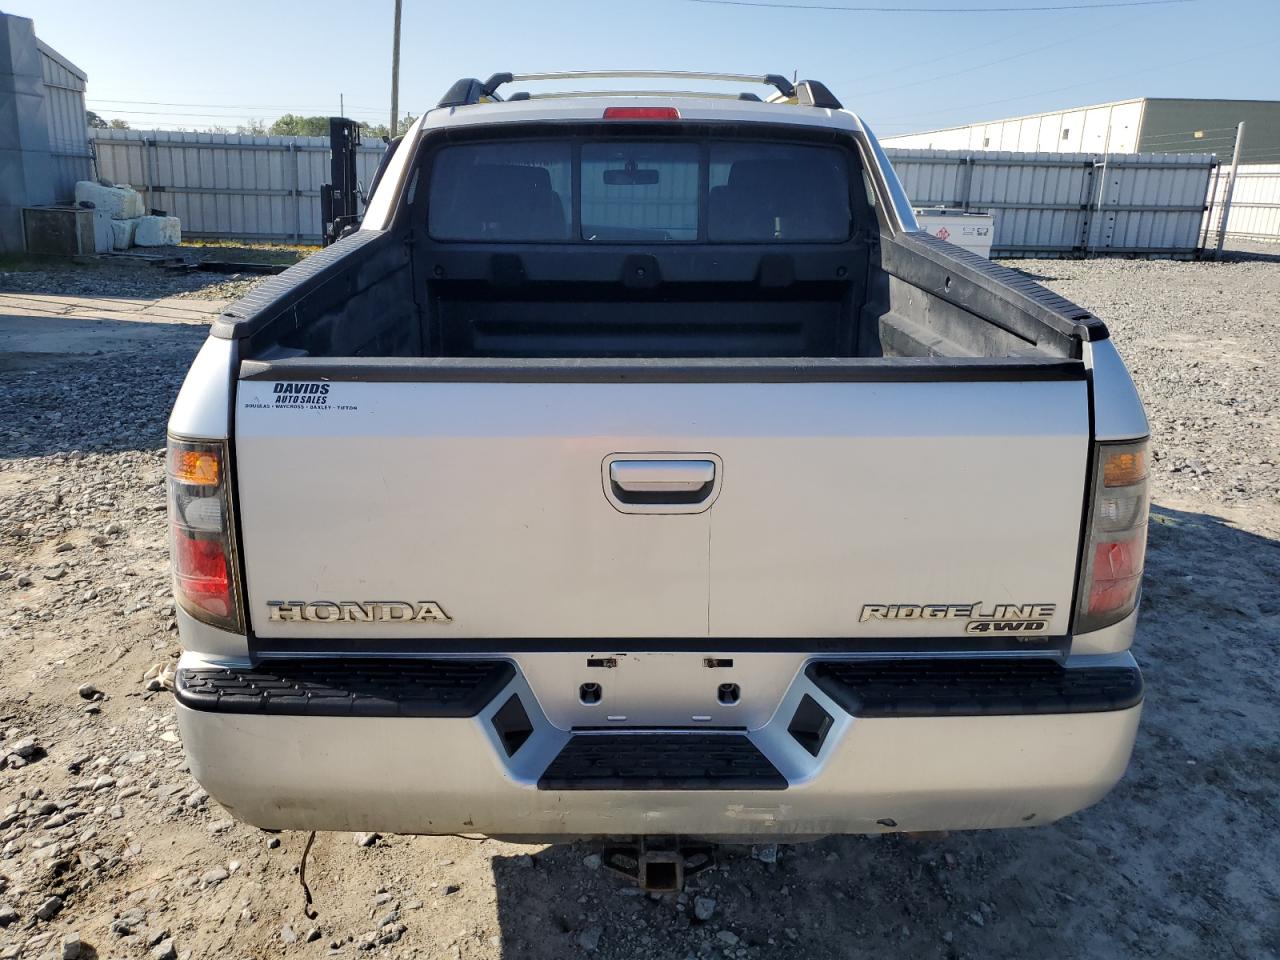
x=1124 y=468
x=195 y=466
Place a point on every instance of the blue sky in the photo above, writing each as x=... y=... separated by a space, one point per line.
x=175 y=64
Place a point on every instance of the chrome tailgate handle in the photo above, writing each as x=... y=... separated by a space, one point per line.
x=662 y=476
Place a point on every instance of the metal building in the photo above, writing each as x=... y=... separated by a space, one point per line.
x=1144 y=125
x=44 y=143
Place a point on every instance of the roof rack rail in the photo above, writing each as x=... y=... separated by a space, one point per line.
x=469 y=90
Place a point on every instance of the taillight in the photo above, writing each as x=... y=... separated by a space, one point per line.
x=641 y=113
x=1117 y=536
x=201 y=535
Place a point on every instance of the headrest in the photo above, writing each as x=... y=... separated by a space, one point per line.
x=511 y=178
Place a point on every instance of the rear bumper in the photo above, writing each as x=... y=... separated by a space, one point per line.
x=929 y=756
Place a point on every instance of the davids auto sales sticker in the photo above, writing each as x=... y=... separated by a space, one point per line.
x=296 y=395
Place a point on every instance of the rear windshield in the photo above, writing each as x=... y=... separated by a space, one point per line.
x=640 y=192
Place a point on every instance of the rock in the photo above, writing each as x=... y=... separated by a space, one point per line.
x=287 y=934
x=273 y=843
x=71 y=947
x=49 y=909
x=57 y=573
x=214 y=876
x=392 y=933
x=88 y=691
x=103 y=782
x=592 y=861
x=219 y=826
x=977 y=919
x=128 y=922
x=25 y=581
x=589 y=939
x=153 y=937
x=164 y=950
x=113 y=528
x=25 y=748
x=367 y=839
x=704 y=908
x=727 y=936
x=155 y=684
x=765 y=852
x=312 y=935
x=7 y=915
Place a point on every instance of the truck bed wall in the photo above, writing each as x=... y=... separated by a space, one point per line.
x=373 y=295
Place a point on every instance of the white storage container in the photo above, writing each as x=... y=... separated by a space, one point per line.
x=973 y=231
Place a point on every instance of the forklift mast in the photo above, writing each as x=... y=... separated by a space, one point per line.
x=340 y=198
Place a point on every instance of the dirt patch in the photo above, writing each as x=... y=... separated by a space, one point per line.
x=103 y=831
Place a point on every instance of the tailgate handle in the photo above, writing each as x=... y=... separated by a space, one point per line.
x=662 y=482
x=662 y=476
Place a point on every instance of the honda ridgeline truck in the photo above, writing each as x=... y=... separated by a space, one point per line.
x=639 y=469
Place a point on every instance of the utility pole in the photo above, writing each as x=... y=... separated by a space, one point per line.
x=394 y=126
x=342 y=110
x=1231 y=188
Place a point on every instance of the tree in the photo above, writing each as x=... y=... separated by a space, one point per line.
x=94 y=121
x=255 y=128
x=294 y=126
x=117 y=124
x=378 y=131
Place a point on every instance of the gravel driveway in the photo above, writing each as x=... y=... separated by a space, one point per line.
x=105 y=837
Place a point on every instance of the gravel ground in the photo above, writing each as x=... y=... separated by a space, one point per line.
x=104 y=837
x=130 y=276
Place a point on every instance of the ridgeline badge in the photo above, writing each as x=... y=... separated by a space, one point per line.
x=1003 y=618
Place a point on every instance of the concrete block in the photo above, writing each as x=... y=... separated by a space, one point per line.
x=158 y=232
x=122 y=233
x=120 y=202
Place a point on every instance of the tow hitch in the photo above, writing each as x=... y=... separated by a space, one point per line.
x=659 y=864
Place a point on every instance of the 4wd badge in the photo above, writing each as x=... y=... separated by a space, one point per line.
x=1017 y=618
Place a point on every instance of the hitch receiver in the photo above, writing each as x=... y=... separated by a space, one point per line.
x=658 y=864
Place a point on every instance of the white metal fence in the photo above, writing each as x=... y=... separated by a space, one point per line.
x=1045 y=204
x=1255 y=203
x=1069 y=204
x=228 y=185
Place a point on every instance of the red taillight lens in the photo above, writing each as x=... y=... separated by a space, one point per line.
x=1117 y=537
x=1117 y=571
x=201 y=542
x=200 y=572
x=641 y=113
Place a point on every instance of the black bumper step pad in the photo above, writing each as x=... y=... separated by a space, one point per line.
x=661 y=761
x=974 y=688
x=347 y=687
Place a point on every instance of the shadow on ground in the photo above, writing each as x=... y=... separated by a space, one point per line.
x=1181 y=860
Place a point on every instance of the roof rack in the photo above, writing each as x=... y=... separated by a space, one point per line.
x=809 y=93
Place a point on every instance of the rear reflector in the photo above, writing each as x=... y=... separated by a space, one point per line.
x=641 y=113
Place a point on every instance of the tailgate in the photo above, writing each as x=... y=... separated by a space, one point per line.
x=873 y=511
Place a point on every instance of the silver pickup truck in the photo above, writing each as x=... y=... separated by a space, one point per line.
x=638 y=469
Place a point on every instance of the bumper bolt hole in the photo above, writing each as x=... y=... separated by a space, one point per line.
x=728 y=693
x=590 y=693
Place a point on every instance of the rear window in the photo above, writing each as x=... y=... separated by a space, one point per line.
x=640 y=192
